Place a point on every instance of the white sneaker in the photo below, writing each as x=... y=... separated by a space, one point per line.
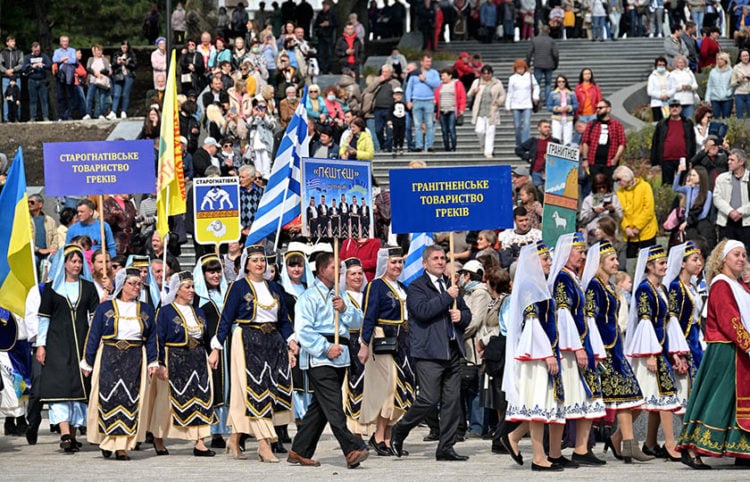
x=123 y=115
x=101 y=117
x=111 y=116
x=86 y=117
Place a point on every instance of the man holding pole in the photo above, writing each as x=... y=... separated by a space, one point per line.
x=321 y=324
x=88 y=226
x=438 y=316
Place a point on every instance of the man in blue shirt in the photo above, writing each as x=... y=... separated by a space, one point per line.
x=65 y=58
x=88 y=226
x=325 y=362
x=420 y=99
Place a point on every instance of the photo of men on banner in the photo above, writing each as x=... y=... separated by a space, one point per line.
x=337 y=196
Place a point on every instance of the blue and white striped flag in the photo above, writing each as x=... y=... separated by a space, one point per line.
x=413 y=263
x=281 y=200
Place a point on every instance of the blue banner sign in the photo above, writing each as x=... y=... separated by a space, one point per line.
x=101 y=167
x=451 y=199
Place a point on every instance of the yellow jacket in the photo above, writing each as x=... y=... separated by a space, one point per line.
x=365 y=146
x=638 y=210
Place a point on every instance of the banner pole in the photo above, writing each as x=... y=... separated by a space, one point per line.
x=101 y=234
x=164 y=242
x=453 y=265
x=336 y=289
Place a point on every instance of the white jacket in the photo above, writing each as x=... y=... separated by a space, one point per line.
x=676 y=79
x=520 y=92
x=723 y=195
x=659 y=85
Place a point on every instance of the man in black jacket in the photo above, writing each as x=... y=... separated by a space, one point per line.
x=534 y=151
x=673 y=142
x=438 y=316
x=325 y=26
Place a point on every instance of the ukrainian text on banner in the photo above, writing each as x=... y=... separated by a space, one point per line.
x=101 y=167
x=451 y=199
x=216 y=205
x=560 y=192
x=337 y=198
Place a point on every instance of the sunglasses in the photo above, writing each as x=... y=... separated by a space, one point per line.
x=258 y=178
x=32 y=202
x=227 y=145
x=116 y=266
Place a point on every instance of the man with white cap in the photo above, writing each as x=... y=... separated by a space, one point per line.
x=205 y=156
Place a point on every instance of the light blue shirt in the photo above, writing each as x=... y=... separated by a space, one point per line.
x=93 y=231
x=313 y=319
x=503 y=315
x=70 y=52
x=418 y=90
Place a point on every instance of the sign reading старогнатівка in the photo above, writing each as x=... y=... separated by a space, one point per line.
x=451 y=199
x=100 y=167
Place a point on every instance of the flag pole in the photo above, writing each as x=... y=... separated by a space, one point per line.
x=336 y=288
x=453 y=265
x=101 y=233
x=164 y=246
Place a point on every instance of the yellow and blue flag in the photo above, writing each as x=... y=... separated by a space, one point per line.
x=17 y=268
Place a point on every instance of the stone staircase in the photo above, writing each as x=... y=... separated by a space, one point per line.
x=616 y=65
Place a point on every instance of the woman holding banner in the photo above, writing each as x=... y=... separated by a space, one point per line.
x=261 y=380
x=68 y=302
x=389 y=380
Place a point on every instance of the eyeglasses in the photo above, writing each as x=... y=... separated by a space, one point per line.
x=256 y=260
x=601 y=107
x=116 y=266
x=227 y=145
x=134 y=284
x=32 y=202
x=314 y=91
x=258 y=178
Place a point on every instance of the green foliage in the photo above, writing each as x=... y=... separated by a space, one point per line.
x=638 y=144
x=737 y=135
x=414 y=55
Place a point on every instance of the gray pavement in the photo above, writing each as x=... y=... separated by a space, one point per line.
x=45 y=461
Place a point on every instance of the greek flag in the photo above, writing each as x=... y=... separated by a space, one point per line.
x=281 y=200
x=413 y=263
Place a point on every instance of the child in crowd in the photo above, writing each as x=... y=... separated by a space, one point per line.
x=398 y=121
x=624 y=287
x=528 y=197
x=13 y=100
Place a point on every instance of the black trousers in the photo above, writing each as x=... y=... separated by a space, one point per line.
x=34 y=408
x=439 y=382
x=735 y=230
x=326 y=407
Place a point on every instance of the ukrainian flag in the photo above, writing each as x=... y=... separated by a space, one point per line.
x=17 y=274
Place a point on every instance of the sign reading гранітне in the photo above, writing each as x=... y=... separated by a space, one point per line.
x=560 y=192
x=451 y=199
x=101 y=167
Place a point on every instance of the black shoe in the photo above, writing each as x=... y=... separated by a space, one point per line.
x=430 y=149
x=431 y=437
x=54 y=428
x=82 y=431
x=693 y=462
x=587 y=459
x=201 y=453
x=75 y=443
x=552 y=468
x=137 y=446
x=161 y=452
x=278 y=448
x=451 y=456
x=460 y=438
x=122 y=457
x=609 y=445
x=32 y=436
x=218 y=443
x=10 y=426
x=106 y=453
x=738 y=462
x=283 y=435
x=65 y=442
x=149 y=438
x=397 y=441
x=500 y=450
x=21 y=425
x=668 y=456
x=563 y=462
x=243 y=439
x=380 y=448
x=517 y=457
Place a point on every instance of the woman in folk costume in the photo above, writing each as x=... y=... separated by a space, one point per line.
x=296 y=276
x=685 y=263
x=648 y=345
x=389 y=378
x=68 y=303
x=353 y=284
x=210 y=289
x=580 y=349
x=121 y=353
x=620 y=390
x=717 y=419
x=262 y=349
x=531 y=380
x=181 y=329
x=149 y=290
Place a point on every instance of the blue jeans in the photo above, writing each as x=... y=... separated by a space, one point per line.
x=381 y=128
x=688 y=110
x=636 y=25
x=598 y=27
x=79 y=101
x=722 y=108
x=6 y=83
x=409 y=133
x=698 y=18
x=370 y=123
x=424 y=112
x=546 y=75
x=742 y=105
x=522 y=123
x=122 y=92
x=38 y=93
x=101 y=98
x=448 y=126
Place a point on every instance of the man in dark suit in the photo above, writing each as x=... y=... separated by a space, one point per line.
x=344 y=212
x=364 y=219
x=312 y=217
x=333 y=215
x=323 y=217
x=438 y=316
x=354 y=213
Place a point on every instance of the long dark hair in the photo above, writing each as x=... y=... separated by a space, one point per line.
x=580 y=76
x=703 y=186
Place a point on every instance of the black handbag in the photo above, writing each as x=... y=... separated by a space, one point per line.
x=386 y=345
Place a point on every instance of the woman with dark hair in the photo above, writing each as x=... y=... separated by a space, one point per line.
x=181 y=330
x=121 y=353
x=151 y=125
x=210 y=289
x=262 y=349
x=588 y=95
x=659 y=89
x=68 y=303
x=698 y=202
x=741 y=84
x=606 y=230
x=563 y=104
x=703 y=116
x=359 y=144
x=523 y=94
x=599 y=203
x=123 y=77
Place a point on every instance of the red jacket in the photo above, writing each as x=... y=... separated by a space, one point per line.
x=709 y=49
x=463 y=68
x=460 y=93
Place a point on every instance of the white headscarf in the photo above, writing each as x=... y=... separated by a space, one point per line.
x=174 y=284
x=592 y=265
x=199 y=280
x=120 y=279
x=342 y=277
x=560 y=258
x=640 y=273
x=57 y=270
x=529 y=287
x=674 y=263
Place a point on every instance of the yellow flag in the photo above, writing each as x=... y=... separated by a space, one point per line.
x=170 y=185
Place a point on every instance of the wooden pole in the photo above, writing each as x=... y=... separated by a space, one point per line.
x=452 y=258
x=101 y=234
x=336 y=289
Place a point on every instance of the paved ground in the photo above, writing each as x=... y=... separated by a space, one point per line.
x=45 y=461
